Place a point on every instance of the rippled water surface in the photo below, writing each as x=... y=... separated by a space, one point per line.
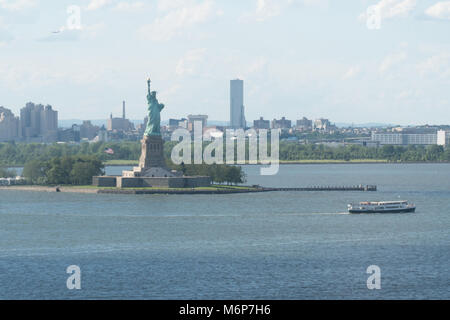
x=280 y=245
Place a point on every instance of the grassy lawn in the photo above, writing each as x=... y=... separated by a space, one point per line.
x=86 y=187
x=211 y=188
x=121 y=163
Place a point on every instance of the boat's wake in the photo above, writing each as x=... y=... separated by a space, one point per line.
x=333 y=213
x=316 y=213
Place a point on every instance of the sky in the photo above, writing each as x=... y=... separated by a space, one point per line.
x=352 y=61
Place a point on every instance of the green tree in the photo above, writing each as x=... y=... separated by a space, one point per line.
x=34 y=172
x=434 y=153
x=84 y=169
x=58 y=170
x=446 y=154
x=75 y=170
x=234 y=175
x=387 y=152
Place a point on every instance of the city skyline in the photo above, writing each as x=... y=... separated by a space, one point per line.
x=297 y=58
x=64 y=122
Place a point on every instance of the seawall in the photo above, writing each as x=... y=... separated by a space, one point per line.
x=209 y=190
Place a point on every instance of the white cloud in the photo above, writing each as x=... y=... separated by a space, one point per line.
x=406 y=94
x=391 y=60
x=19 y=76
x=252 y=68
x=16 y=5
x=257 y=65
x=352 y=72
x=320 y=3
x=438 y=64
x=97 y=4
x=5 y=36
x=188 y=64
x=119 y=6
x=168 y=94
x=266 y=9
x=167 y=5
x=440 y=10
x=177 y=17
x=129 y=6
x=389 y=9
x=94 y=30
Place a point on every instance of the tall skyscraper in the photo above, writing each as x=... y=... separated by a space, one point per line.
x=237 y=112
x=49 y=120
x=9 y=125
x=39 y=123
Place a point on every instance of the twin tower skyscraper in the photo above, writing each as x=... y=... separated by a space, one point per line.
x=237 y=110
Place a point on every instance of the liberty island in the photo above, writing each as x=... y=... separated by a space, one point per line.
x=152 y=170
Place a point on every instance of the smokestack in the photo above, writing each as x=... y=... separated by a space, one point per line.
x=123 y=113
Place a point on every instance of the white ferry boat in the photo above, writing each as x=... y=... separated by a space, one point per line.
x=382 y=207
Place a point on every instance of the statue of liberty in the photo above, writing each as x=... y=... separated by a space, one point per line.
x=154 y=113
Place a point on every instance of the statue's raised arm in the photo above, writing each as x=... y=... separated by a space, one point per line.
x=149 y=91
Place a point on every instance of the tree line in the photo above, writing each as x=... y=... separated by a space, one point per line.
x=17 y=154
x=79 y=170
x=219 y=173
x=12 y=154
x=67 y=170
x=432 y=153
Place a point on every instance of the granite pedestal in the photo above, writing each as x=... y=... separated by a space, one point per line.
x=152 y=171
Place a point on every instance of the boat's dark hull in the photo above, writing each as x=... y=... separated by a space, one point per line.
x=383 y=211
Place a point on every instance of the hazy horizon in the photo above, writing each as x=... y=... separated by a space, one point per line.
x=219 y=122
x=312 y=58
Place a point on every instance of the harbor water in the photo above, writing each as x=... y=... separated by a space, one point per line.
x=277 y=245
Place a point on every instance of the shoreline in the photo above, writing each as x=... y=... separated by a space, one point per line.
x=308 y=162
x=49 y=189
x=218 y=189
x=282 y=162
x=95 y=190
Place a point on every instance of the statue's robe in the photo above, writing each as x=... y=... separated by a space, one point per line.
x=154 y=117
